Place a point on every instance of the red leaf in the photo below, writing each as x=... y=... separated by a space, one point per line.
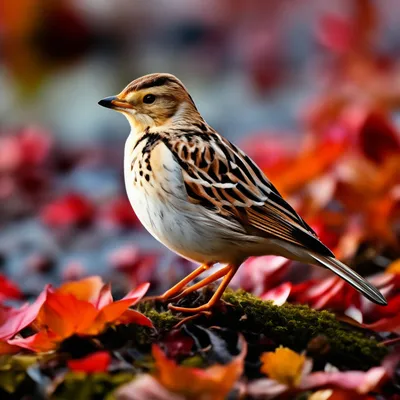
x=120 y=212
x=96 y=362
x=8 y=289
x=72 y=209
x=34 y=145
x=335 y=32
x=13 y=320
x=361 y=382
x=10 y=154
x=262 y=273
x=378 y=138
x=176 y=343
x=352 y=34
x=327 y=236
x=278 y=295
x=385 y=325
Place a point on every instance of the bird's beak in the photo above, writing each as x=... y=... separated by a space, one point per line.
x=114 y=103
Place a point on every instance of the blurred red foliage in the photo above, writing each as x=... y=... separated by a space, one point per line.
x=95 y=362
x=8 y=289
x=68 y=211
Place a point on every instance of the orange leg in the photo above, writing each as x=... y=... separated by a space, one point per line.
x=181 y=284
x=216 y=296
x=191 y=318
x=206 y=281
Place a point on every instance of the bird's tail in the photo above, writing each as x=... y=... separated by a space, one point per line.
x=350 y=276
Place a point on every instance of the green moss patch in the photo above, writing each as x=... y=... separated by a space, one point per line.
x=296 y=326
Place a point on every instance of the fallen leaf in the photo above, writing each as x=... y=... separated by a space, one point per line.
x=394 y=267
x=259 y=274
x=42 y=341
x=145 y=387
x=378 y=139
x=278 y=295
x=14 y=320
x=71 y=210
x=194 y=383
x=58 y=318
x=95 y=362
x=8 y=289
x=284 y=366
x=360 y=381
x=7 y=348
x=87 y=289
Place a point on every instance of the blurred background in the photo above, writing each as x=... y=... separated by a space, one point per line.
x=309 y=89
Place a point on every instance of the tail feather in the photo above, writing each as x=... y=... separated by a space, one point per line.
x=350 y=276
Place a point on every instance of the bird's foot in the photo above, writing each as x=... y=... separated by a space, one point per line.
x=191 y=318
x=195 y=310
x=161 y=298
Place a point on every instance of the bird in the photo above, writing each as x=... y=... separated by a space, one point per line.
x=202 y=197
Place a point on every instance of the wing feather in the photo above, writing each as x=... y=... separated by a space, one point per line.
x=222 y=178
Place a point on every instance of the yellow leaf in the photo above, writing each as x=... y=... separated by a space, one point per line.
x=284 y=366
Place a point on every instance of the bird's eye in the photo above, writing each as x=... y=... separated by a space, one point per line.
x=149 y=98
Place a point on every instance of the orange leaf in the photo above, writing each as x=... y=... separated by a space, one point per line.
x=308 y=166
x=114 y=310
x=66 y=312
x=87 y=289
x=42 y=341
x=214 y=382
x=134 y=317
x=394 y=267
x=65 y=315
x=7 y=348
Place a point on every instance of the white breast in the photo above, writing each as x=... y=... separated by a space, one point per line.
x=162 y=206
x=161 y=203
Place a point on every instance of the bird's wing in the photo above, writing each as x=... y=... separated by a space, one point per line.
x=219 y=176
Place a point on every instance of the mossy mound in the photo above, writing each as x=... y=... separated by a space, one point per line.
x=290 y=325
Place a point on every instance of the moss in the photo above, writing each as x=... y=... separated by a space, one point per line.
x=163 y=321
x=295 y=325
x=289 y=325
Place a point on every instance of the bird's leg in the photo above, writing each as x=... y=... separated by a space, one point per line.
x=204 y=282
x=191 y=318
x=216 y=296
x=181 y=284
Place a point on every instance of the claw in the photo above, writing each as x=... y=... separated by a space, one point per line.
x=201 y=309
x=190 y=318
x=214 y=299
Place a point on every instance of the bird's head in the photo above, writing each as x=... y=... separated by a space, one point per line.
x=152 y=101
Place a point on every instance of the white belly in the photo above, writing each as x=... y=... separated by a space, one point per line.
x=165 y=211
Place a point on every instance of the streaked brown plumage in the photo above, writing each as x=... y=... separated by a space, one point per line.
x=202 y=196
